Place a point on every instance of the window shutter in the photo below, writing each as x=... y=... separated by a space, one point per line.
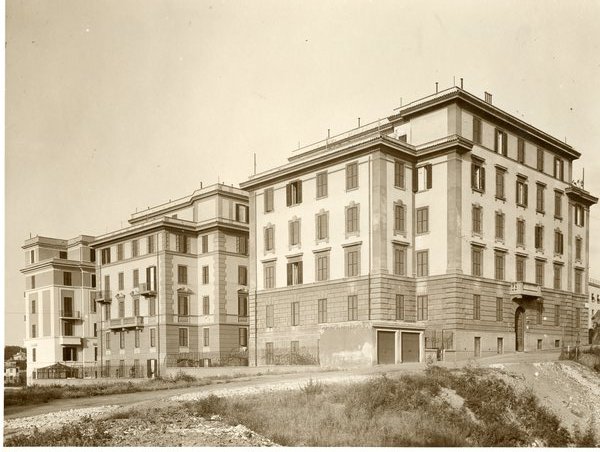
x=415 y=179
x=525 y=196
x=288 y=194
x=237 y=213
x=473 y=175
x=483 y=178
x=289 y=274
x=496 y=141
x=504 y=143
x=299 y=272
x=429 y=175
x=517 y=193
x=299 y=191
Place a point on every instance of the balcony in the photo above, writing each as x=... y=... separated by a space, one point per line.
x=126 y=322
x=70 y=314
x=69 y=340
x=523 y=289
x=103 y=296
x=147 y=290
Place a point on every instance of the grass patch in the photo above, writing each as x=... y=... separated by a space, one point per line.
x=82 y=434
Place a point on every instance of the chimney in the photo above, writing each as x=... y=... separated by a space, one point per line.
x=488 y=97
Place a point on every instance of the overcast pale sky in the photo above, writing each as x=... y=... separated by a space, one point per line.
x=118 y=105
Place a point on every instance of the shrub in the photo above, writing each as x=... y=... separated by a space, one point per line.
x=312 y=388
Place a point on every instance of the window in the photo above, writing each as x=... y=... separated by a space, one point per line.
x=424 y=178
x=294 y=230
x=33 y=282
x=423 y=263
x=499 y=226
x=105 y=256
x=556 y=315
x=520 y=232
x=399 y=307
x=501 y=142
x=269 y=356
x=539 y=237
x=578 y=244
x=558 y=242
x=520 y=150
x=422 y=220
x=182 y=274
x=121 y=307
x=294 y=273
x=322 y=310
x=137 y=339
x=120 y=253
x=295 y=313
x=67 y=278
x=243 y=334
x=242 y=305
x=270 y=316
x=62 y=254
x=476 y=307
x=559 y=169
x=293 y=193
x=206 y=334
x=399 y=174
x=539 y=312
x=352 y=220
x=95 y=353
x=322 y=261
x=151 y=277
x=242 y=275
x=269 y=270
x=33 y=357
x=352 y=255
x=92 y=305
x=322 y=185
x=93 y=280
x=134 y=248
x=521 y=192
x=241 y=213
x=476 y=130
x=539 y=198
x=136 y=306
x=399 y=218
x=539 y=272
x=121 y=340
x=69 y=354
x=269 y=238
x=540 y=159
x=578 y=281
x=92 y=255
x=477 y=261
x=558 y=204
x=322 y=228
x=579 y=215
x=476 y=215
x=557 y=276
x=477 y=176
x=183 y=337
x=204 y=245
x=205 y=305
x=183 y=305
x=106 y=282
x=352 y=307
x=499 y=265
x=107 y=341
x=500 y=173
x=121 y=280
x=499 y=309
x=205 y=274
x=33 y=331
x=150 y=243
x=33 y=306
x=399 y=261
x=520 y=268
x=32 y=256
x=269 y=200
x=182 y=243
x=422 y=307
x=351 y=176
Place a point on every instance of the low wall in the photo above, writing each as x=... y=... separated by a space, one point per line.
x=82 y=381
x=203 y=372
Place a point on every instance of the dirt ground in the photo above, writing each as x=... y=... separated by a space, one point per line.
x=568 y=389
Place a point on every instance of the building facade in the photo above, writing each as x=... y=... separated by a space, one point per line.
x=593 y=303
x=378 y=244
x=61 y=320
x=173 y=286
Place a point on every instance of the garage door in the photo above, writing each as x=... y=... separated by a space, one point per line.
x=410 y=347
x=386 y=347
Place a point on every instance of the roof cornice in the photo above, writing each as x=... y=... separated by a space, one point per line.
x=57 y=262
x=580 y=195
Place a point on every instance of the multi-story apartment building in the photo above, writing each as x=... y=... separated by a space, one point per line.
x=373 y=245
x=61 y=319
x=593 y=302
x=173 y=285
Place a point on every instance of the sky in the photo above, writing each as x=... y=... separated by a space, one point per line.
x=113 y=106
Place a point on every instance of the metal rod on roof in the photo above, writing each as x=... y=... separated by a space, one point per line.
x=461 y=83
x=436 y=87
x=359 y=121
x=328 y=133
x=255 y=163
x=454 y=80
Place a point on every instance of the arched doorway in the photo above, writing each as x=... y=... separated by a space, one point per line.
x=520 y=329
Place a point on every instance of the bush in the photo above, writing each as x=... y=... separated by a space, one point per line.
x=208 y=406
x=312 y=388
x=68 y=435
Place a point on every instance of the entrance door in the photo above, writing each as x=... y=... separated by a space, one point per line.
x=151 y=368
x=410 y=347
x=386 y=347
x=477 y=347
x=520 y=329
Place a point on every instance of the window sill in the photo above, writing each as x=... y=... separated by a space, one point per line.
x=542 y=212
x=352 y=189
x=478 y=190
x=500 y=198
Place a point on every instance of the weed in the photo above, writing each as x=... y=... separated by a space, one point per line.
x=312 y=388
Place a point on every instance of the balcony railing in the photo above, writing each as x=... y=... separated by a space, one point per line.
x=127 y=322
x=69 y=314
x=69 y=340
x=524 y=289
x=103 y=296
x=147 y=289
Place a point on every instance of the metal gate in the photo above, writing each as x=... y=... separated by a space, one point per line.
x=410 y=347
x=386 y=347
